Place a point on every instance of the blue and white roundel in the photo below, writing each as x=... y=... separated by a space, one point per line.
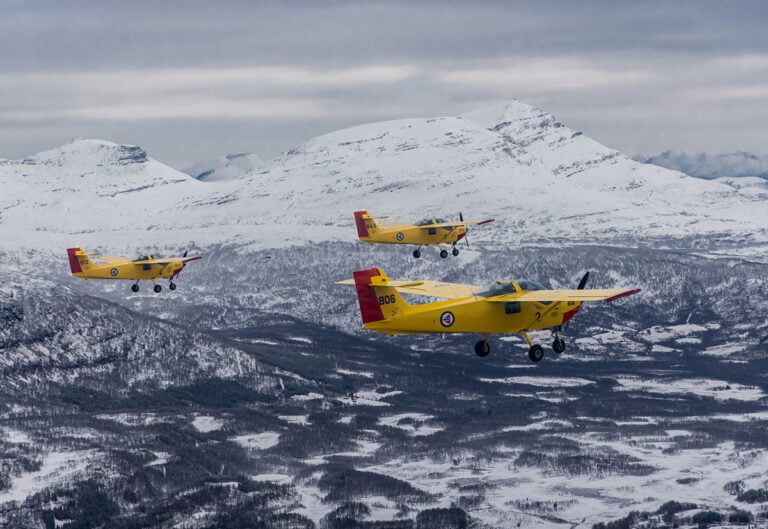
x=447 y=318
x=113 y=272
x=400 y=236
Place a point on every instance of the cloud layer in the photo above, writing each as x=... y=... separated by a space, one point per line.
x=198 y=79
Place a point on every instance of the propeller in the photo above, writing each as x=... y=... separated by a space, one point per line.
x=582 y=284
x=461 y=219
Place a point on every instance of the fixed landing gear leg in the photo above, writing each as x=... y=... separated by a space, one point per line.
x=455 y=251
x=535 y=352
x=171 y=284
x=417 y=252
x=443 y=253
x=157 y=287
x=135 y=286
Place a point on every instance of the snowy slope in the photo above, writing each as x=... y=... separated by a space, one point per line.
x=540 y=179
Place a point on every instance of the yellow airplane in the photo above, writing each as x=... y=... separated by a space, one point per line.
x=144 y=268
x=503 y=307
x=423 y=233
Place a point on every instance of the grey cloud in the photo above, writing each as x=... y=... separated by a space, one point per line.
x=263 y=76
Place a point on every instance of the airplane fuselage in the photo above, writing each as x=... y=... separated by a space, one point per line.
x=419 y=235
x=473 y=315
x=134 y=271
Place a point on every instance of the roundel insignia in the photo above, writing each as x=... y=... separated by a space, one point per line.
x=400 y=236
x=113 y=272
x=447 y=318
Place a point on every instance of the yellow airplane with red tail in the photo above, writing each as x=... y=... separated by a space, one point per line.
x=503 y=307
x=144 y=268
x=423 y=233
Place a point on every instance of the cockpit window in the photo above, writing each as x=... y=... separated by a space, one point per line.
x=145 y=258
x=427 y=222
x=496 y=289
x=530 y=285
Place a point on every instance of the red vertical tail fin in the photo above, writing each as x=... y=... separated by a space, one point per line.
x=79 y=261
x=378 y=301
x=74 y=263
x=362 y=229
x=366 y=295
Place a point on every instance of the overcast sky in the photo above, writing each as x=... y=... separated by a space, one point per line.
x=191 y=81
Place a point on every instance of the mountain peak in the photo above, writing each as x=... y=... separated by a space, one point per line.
x=96 y=152
x=504 y=113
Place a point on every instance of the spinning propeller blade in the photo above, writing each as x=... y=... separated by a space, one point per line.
x=581 y=286
x=461 y=219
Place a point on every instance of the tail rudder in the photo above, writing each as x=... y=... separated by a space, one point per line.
x=366 y=225
x=79 y=261
x=377 y=300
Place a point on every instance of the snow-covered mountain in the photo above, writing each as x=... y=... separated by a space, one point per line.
x=225 y=168
x=540 y=179
x=711 y=166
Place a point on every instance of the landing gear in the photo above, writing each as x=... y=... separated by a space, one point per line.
x=455 y=250
x=536 y=353
x=158 y=288
x=135 y=287
x=417 y=253
x=443 y=253
x=172 y=285
x=558 y=345
x=482 y=348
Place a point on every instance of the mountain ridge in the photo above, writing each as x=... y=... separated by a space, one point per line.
x=711 y=166
x=539 y=179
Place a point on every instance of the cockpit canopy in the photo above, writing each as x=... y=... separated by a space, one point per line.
x=525 y=284
x=427 y=222
x=143 y=258
x=511 y=287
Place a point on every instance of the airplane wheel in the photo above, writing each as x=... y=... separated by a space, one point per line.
x=172 y=286
x=443 y=253
x=135 y=288
x=482 y=348
x=455 y=252
x=536 y=353
x=158 y=288
x=417 y=253
x=558 y=345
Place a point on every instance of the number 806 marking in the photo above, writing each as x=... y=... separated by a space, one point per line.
x=386 y=300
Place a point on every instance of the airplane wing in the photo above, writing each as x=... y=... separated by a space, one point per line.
x=435 y=289
x=608 y=294
x=166 y=261
x=454 y=224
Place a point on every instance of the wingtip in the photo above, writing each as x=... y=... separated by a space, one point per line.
x=485 y=221
x=623 y=294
